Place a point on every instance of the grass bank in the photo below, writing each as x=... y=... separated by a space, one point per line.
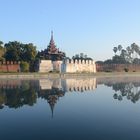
x=65 y=75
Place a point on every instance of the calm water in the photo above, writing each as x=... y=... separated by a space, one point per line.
x=70 y=109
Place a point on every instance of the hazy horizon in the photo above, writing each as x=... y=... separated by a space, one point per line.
x=92 y=27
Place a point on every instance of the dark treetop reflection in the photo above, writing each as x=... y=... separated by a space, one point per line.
x=126 y=87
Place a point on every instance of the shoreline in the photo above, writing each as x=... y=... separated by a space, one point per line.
x=66 y=75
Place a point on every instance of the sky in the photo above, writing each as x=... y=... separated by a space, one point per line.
x=92 y=27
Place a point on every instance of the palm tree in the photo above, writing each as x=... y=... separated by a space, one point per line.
x=120 y=47
x=129 y=52
x=1 y=43
x=115 y=49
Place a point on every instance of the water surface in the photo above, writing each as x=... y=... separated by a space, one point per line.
x=70 y=109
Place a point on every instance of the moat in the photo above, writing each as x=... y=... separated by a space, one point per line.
x=71 y=109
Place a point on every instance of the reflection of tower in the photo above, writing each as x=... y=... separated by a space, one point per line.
x=51 y=90
x=52 y=100
x=53 y=97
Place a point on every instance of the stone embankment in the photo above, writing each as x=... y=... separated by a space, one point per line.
x=65 y=75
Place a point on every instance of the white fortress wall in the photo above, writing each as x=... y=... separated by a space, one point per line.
x=78 y=66
x=69 y=66
x=45 y=66
x=57 y=65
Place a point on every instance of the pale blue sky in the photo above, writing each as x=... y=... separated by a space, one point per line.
x=90 y=26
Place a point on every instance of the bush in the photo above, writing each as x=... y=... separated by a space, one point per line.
x=126 y=69
x=108 y=70
x=24 y=66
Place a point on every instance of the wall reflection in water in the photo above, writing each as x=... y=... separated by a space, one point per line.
x=17 y=93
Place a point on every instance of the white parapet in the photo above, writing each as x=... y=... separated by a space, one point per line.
x=79 y=66
x=45 y=66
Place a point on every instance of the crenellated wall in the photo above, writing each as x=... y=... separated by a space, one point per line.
x=45 y=66
x=73 y=66
x=57 y=65
x=9 y=66
x=70 y=66
x=48 y=66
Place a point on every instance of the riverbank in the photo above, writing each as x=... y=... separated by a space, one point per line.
x=65 y=75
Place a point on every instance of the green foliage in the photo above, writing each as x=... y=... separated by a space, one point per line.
x=115 y=49
x=16 y=51
x=108 y=61
x=99 y=62
x=118 y=59
x=28 y=52
x=13 y=50
x=24 y=66
x=126 y=69
x=81 y=56
x=129 y=55
x=136 y=61
x=2 y=51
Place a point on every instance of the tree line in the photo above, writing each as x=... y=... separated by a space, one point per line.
x=128 y=55
x=27 y=54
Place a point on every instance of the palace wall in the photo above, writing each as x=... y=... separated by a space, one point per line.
x=45 y=66
x=57 y=65
x=118 y=67
x=69 y=66
x=80 y=66
x=9 y=66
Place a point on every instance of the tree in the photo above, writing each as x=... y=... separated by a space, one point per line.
x=2 y=51
x=136 y=61
x=135 y=50
x=120 y=48
x=24 y=66
x=99 y=62
x=108 y=61
x=16 y=51
x=1 y=43
x=28 y=52
x=118 y=59
x=115 y=49
x=13 y=51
